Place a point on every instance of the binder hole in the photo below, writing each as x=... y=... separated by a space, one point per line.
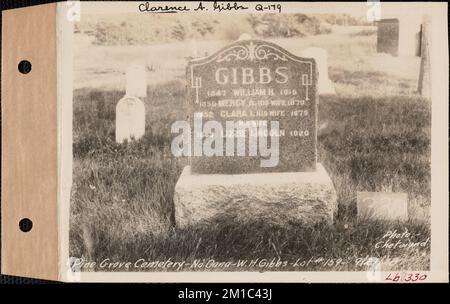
x=24 y=67
x=25 y=225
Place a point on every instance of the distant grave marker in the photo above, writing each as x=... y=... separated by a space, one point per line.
x=253 y=80
x=136 y=81
x=245 y=36
x=326 y=86
x=269 y=97
x=387 y=36
x=399 y=36
x=194 y=48
x=409 y=35
x=130 y=119
x=383 y=205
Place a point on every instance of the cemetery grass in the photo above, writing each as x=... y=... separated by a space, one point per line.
x=122 y=196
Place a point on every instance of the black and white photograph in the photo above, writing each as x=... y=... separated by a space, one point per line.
x=245 y=141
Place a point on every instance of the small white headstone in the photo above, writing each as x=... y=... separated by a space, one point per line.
x=321 y=57
x=245 y=36
x=130 y=119
x=136 y=81
x=382 y=205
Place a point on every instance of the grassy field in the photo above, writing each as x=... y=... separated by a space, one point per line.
x=374 y=136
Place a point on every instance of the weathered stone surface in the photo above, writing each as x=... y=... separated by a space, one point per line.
x=307 y=197
x=382 y=205
x=256 y=81
x=130 y=119
x=388 y=36
x=409 y=35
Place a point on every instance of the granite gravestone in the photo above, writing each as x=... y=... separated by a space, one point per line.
x=261 y=83
x=256 y=82
x=409 y=35
x=325 y=85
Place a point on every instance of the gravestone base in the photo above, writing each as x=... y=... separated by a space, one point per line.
x=276 y=198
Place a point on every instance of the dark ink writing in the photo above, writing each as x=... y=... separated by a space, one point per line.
x=146 y=7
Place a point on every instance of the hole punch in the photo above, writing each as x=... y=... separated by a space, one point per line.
x=24 y=67
x=25 y=224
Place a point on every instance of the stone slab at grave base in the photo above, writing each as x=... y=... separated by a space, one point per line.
x=276 y=198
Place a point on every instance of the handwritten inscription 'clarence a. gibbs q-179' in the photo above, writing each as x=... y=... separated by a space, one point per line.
x=206 y=6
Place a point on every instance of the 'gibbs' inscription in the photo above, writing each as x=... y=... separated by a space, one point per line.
x=257 y=82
